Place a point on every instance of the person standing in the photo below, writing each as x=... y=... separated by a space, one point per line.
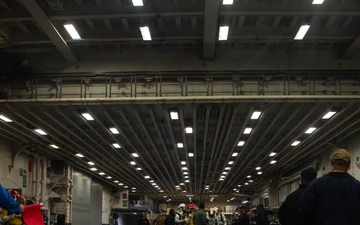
x=170 y=219
x=180 y=215
x=200 y=215
x=262 y=216
x=220 y=219
x=8 y=202
x=159 y=220
x=288 y=211
x=143 y=220
x=333 y=198
x=243 y=217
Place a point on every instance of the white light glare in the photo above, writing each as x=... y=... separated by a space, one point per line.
x=114 y=130
x=310 y=130
x=256 y=115
x=93 y=169
x=191 y=154
x=5 y=119
x=301 y=33
x=72 y=31
x=234 y=154
x=273 y=162
x=91 y=163
x=258 y=168
x=87 y=116
x=223 y=33
x=137 y=2
x=295 y=143
x=39 y=131
x=228 y=2
x=328 y=115
x=259 y=173
x=102 y=173
x=183 y=163
x=79 y=155
x=145 y=33
x=230 y=162
x=317 y=2
x=135 y=154
x=247 y=130
x=132 y=162
x=174 y=115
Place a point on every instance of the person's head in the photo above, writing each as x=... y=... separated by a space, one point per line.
x=201 y=205
x=340 y=160
x=242 y=209
x=143 y=214
x=260 y=207
x=308 y=175
x=172 y=212
x=181 y=207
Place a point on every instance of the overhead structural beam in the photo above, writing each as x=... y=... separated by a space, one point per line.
x=44 y=22
x=210 y=27
x=352 y=50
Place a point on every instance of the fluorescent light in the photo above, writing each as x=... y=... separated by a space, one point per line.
x=228 y=2
x=79 y=155
x=248 y=176
x=93 y=169
x=259 y=173
x=186 y=177
x=116 y=145
x=180 y=145
x=272 y=154
x=87 y=116
x=241 y=143
x=301 y=33
x=317 y=2
x=72 y=31
x=39 y=131
x=5 y=119
x=135 y=154
x=145 y=33
x=295 y=143
x=328 y=115
x=247 y=130
x=234 y=154
x=184 y=168
x=183 y=163
x=273 y=162
x=137 y=2
x=174 y=115
x=132 y=162
x=191 y=154
x=116 y=181
x=102 y=173
x=147 y=177
x=246 y=183
x=227 y=168
x=258 y=168
x=185 y=173
x=114 y=130
x=108 y=177
x=224 y=172
x=223 y=33
x=188 y=130
x=54 y=146
x=255 y=115
x=310 y=130
x=187 y=181
x=91 y=163
x=222 y=177
x=230 y=162
x=138 y=168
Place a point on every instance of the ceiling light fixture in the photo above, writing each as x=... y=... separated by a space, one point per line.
x=247 y=130
x=108 y=177
x=39 y=131
x=72 y=31
x=93 y=169
x=256 y=115
x=132 y=162
x=5 y=119
x=174 y=115
x=135 y=155
x=258 y=168
x=183 y=163
x=91 y=163
x=188 y=130
x=317 y=2
x=273 y=162
x=191 y=154
x=87 y=116
x=113 y=130
x=227 y=168
x=138 y=168
x=272 y=154
x=259 y=173
x=145 y=33
x=234 y=154
x=79 y=155
x=180 y=145
x=54 y=146
x=102 y=173
x=230 y=162
x=137 y=2
x=302 y=31
x=223 y=33
x=310 y=130
x=147 y=177
x=295 y=143
x=241 y=143
x=328 y=115
x=228 y=2
x=116 y=145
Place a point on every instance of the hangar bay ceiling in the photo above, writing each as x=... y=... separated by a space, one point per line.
x=228 y=154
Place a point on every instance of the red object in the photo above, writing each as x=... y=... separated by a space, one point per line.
x=32 y=215
x=14 y=193
x=30 y=167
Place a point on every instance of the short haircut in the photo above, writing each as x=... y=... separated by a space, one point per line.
x=201 y=205
x=308 y=174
